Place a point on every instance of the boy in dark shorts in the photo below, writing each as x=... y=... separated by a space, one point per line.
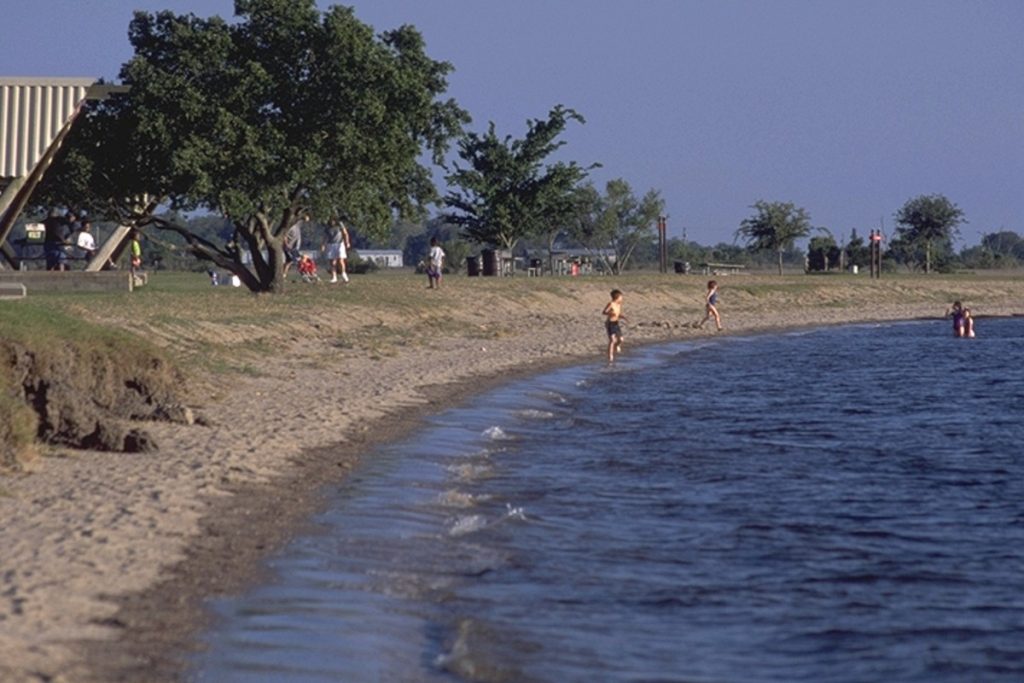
x=613 y=316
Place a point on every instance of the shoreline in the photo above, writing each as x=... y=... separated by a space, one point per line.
x=113 y=557
x=157 y=650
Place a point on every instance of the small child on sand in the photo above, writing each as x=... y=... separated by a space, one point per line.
x=613 y=313
x=710 y=306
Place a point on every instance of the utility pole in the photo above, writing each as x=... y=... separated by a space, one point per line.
x=662 y=244
x=875 y=253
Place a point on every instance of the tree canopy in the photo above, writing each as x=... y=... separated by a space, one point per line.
x=775 y=227
x=504 y=192
x=617 y=222
x=925 y=222
x=284 y=111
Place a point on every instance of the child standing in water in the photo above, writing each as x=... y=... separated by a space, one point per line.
x=613 y=314
x=711 y=306
x=956 y=311
x=968 y=324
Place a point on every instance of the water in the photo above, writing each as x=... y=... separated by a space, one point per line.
x=835 y=505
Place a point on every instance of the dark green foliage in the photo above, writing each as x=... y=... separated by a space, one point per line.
x=504 y=192
x=927 y=225
x=775 y=227
x=617 y=223
x=283 y=111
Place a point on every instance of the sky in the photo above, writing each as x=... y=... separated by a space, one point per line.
x=846 y=108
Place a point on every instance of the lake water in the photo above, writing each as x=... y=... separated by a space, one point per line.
x=843 y=504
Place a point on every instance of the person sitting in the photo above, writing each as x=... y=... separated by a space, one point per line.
x=307 y=269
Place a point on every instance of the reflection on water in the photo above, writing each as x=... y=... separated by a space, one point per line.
x=836 y=505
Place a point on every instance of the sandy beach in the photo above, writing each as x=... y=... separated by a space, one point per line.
x=107 y=557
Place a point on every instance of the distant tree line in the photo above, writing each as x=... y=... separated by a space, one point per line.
x=230 y=132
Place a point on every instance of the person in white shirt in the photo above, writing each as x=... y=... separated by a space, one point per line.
x=435 y=263
x=85 y=242
x=335 y=246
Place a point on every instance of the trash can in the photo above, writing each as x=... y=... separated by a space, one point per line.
x=680 y=267
x=490 y=257
x=473 y=266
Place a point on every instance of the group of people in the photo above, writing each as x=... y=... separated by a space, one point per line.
x=63 y=235
x=614 y=317
x=71 y=235
x=963 y=321
x=335 y=245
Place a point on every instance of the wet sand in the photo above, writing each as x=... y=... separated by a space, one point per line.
x=107 y=558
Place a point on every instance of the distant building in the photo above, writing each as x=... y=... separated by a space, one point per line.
x=384 y=258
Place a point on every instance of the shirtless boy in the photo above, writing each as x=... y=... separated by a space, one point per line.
x=613 y=314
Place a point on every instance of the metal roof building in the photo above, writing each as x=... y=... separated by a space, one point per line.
x=35 y=117
x=32 y=113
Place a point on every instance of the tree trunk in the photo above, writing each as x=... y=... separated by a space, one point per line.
x=780 y=261
x=273 y=280
x=551 y=251
x=266 y=273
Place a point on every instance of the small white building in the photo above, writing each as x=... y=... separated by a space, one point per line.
x=384 y=258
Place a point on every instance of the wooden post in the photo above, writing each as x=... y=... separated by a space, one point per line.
x=662 y=245
x=876 y=254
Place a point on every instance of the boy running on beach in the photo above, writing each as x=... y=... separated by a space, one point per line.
x=711 y=306
x=613 y=313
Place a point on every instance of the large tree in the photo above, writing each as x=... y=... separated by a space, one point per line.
x=503 y=191
x=614 y=224
x=929 y=221
x=775 y=227
x=283 y=111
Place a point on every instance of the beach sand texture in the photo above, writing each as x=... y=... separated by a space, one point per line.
x=106 y=557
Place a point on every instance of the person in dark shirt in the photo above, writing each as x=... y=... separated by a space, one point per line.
x=56 y=241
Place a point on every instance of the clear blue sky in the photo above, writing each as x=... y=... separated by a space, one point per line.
x=846 y=108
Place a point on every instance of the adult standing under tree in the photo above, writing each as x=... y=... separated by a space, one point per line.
x=335 y=247
x=293 y=243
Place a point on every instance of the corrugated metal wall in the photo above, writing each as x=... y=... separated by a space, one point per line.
x=32 y=112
